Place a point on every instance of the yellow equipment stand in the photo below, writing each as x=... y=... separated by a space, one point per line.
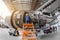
x=28 y=32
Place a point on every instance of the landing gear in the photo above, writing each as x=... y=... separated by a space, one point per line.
x=13 y=32
x=54 y=29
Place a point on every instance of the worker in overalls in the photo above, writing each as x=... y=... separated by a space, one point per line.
x=27 y=18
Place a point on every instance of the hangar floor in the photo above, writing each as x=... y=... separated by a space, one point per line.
x=4 y=35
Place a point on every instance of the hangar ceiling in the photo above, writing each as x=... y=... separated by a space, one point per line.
x=24 y=4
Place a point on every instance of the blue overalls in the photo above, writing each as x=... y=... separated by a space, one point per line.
x=27 y=19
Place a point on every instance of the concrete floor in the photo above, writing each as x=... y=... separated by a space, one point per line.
x=52 y=36
x=4 y=35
